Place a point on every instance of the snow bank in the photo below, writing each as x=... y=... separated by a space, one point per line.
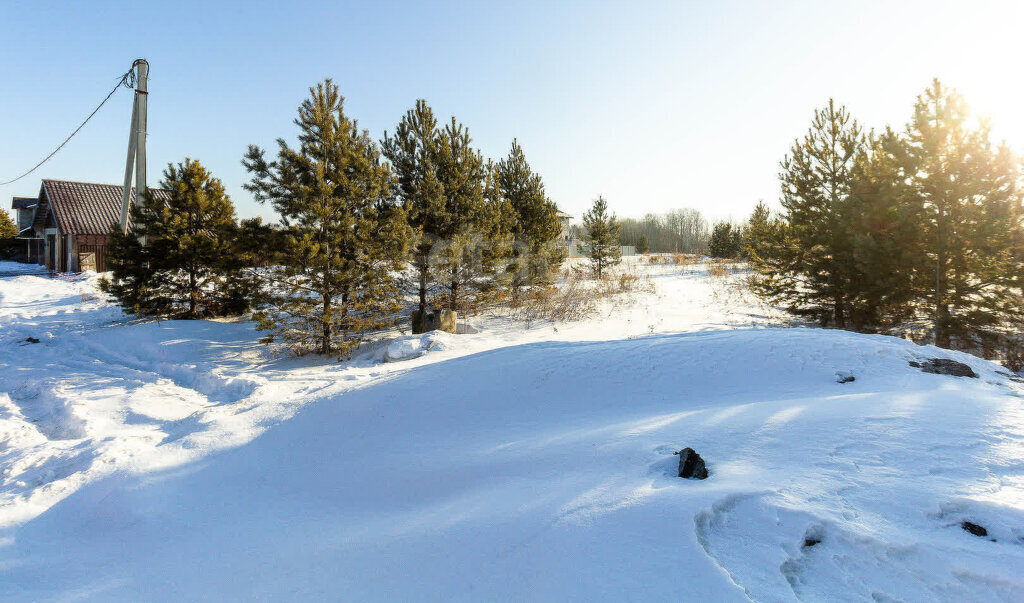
x=414 y=346
x=545 y=471
x=180 y=460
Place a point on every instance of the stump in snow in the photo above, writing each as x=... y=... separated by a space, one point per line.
x=945 y=366
x=691 y=466
x=433 y=320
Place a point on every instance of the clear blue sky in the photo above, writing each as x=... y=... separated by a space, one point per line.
x=654 y=105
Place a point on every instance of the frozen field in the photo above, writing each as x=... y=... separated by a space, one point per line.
x=182 y=460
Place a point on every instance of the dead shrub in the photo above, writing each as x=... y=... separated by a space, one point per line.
x=578 y=295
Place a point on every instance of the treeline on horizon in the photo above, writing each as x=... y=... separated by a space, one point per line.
x=353 y=213
x=917 y=231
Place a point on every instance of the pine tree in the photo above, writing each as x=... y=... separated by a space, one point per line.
x=760 y=229
x=341 y=233
x=486 y=257
x=724 y=241
x=537 y=227
x=970 y=196
x=601 y=236
x=463 y=177
x=813 y=265
x=176 y=258
x=883 y=219
x=8 y=230
x=441 y=182
x=643 y=245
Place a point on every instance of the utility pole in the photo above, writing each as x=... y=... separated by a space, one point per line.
x=136 y=143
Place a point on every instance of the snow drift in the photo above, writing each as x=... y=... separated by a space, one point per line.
x=545 y=471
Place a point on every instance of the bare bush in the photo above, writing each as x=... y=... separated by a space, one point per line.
x=577 y=296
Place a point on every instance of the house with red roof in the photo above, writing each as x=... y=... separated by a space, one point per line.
x=67 y=227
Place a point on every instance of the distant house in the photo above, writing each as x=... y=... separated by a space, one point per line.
x=69 y=223
x=25 y=208
x=565 y=220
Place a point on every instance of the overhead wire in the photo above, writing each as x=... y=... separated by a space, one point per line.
x=127 y=80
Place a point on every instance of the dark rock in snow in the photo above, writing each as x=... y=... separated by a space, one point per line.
x=974 y=528
x=945 y=366
x=691 y=466
x=808 y=542
x=844 y=377
x=31 y=340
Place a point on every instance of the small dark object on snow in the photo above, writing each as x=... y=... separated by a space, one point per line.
x=691 y=466
x=974 y=528
x=844 y=377
x=944 y=366
x=31 y=340
x=1011 y=376
x=811 y=541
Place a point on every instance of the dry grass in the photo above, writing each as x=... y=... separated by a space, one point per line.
x=670 y=259
x=578 y=296
x=717 y=271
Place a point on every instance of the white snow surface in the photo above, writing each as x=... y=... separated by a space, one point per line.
x=181 y=460
x=15 y=268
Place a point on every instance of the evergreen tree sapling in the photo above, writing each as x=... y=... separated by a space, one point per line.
x=8 y=230
x=177 y=256
x=883 y=218
x=462 y=174
x=813 y=263
x=643 y=246
x=601 y=237
x=412 y=153
x=342 y=236
x=726 y=240
x=536 y=226
x=448 y=192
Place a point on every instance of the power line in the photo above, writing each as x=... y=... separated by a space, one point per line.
x=127 y=80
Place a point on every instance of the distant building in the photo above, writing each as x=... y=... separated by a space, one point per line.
x=566 y=221
x=25 y=208
x=67 y=227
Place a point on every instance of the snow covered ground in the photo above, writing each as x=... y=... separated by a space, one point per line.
x=181 y=460
x=16 y=268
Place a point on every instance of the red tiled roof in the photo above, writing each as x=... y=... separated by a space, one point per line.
x=86 y=208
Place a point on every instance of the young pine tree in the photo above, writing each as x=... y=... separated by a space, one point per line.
x=536 y=229
x=442 y=183
x=7 y=228
x=723 y=240
x=970 y=196
x=341 y=237
x=601 y=236
x=179 y=253
x=643 y=246
x=814 y=262
x=883 y=218
x=462 y=173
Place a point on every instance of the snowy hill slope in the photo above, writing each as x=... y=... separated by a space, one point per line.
x=544 y=471
x=101 y=392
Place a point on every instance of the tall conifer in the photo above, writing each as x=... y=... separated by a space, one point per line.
x=813 y=259
x=342 y=234
x=537 y=226
x=970 y=197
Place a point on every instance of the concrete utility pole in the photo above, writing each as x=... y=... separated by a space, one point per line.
x=136 y=143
